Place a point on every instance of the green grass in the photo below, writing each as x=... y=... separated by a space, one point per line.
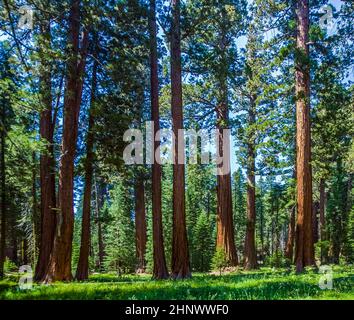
x=265 y=284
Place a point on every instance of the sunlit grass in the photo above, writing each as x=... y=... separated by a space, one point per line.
x=265 y=284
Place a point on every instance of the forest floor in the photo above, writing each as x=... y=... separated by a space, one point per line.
x=265 y=284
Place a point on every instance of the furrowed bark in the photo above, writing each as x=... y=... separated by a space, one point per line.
x=289 y=250
x=140 y=224
x=82 y=271
x=304 y=255
x=225 y=229
x=180 y=254
x=250 y=261
x=47 y=162
x=59 y=268
x=160 y=268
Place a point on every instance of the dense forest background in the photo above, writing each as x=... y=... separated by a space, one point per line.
x=279 y=74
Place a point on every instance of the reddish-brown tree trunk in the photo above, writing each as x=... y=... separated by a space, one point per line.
x=3 y=190
x=99 y=199
x=250 y=243
x=59 y=268
x=304 y=255
x=35 y=215
x=323 y=236
x=47 y=170
x=180 y=254
x=225 y=239
x=160 y=268
x=82 y=271
x=289 y=249
x=225 y=229
x=140 y=224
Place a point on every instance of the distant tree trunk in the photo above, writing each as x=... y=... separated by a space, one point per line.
x=99 y=199
x=289 y=249
x=180 y=252
x=47 y=173
x=24 y=256
x=315 y=209
x=11 y=225
x=140 y=223
x=35 y=217
x=3 y=190
x=160 y=268
x=98 y=206
x=323 y=235
x=250 y=243
x=338 y=195
x=261 y=227
x=59 y=268
x=82 y=271
x=304 y=255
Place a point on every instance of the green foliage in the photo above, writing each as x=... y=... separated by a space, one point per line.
x=219 y=261
x=262 y=284
x=10 y=266
x=203 y=243
x=277 y=260
x=322 y=247
x=200 y=215
x=120 y=243
x=167 y=210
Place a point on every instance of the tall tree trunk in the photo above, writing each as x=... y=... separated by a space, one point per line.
x=35 y=216
x=47 y=173
x=3 y=190
x=250 y=242
x=261 y=226
x=323 y=235
x=98 y=205
x=304 y=255
x=82 y=271
x=289 y=249
x=59 y=268
x=140 y=223
x=225 y=229
x=160 y=268
x=180 y=252
x=225 y=239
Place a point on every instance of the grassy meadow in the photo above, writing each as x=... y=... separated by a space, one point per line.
x=263 y=284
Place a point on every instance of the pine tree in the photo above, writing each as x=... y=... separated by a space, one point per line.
x=120 y=244
x=203 y=243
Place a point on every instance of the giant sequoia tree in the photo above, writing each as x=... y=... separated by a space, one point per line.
x=180 y=254
x=212 y=65
x=160 y=269
x=83 y=264
x=225 y=231
x=59 y=267
x=47 y=161
x=304 y=255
